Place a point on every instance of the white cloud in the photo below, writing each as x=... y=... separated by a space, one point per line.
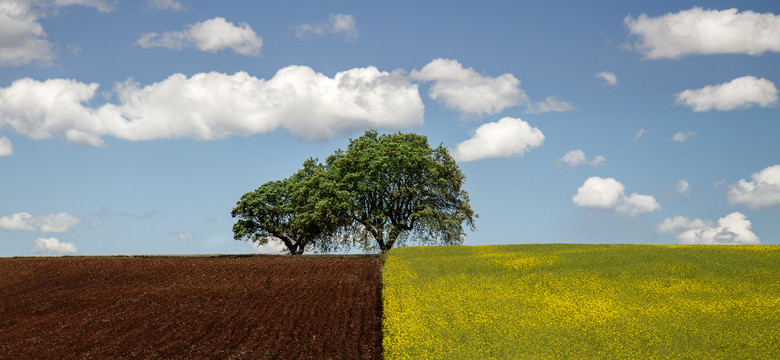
x=609 y=77
x=683 y=136
x=22 y=39
x=172 y=5
x=53 y=246
x=468 y=91
x=6 y=147
x=17 y=222
x=551 y=104
x=732 y=229
x=577 y=158
x=699 y=31
x=338 y=24
x=762 y=191
x=273 y=246
x=506 y=138
x=213 y=105
x=54 y=223
x=683 y=187
x=680 y=224
x=210 y=35
x=640 y=134
x=105 y=6
x=740 y=93
x=609 y=194
x=637 y=204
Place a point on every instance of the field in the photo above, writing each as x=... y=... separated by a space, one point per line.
x=232 y=307
x=582 y=302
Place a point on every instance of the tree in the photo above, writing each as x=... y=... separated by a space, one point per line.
x=395 y=186
x=293 y=210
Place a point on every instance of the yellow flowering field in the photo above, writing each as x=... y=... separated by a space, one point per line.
x=567 y=301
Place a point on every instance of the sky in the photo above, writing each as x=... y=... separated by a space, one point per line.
x=134 y=127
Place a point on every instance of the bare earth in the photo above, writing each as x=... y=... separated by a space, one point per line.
x=232 y=307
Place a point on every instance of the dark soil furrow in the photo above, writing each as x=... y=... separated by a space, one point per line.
x=233 y=307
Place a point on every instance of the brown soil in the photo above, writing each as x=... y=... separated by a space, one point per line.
x=226 y=307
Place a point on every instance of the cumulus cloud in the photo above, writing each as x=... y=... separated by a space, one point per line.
x=343 y=25
x=273 y=246
x=211 y=35
x=22 y=39
x=699 y=31
x=577 y=158
x=6 y=147
x=609 y=77
x=172 y=5
x=468 y=91
x=732 y=229
x=740 y=93
x=639 y=134
x=762 y=191
x=609 y=194
x=54 y=223
x=213 y=105
x=506 y=138
x=683 y=136
x=52 y=245
x=551 y=104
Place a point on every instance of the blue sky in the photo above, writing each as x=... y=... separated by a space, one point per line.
x=133 y=127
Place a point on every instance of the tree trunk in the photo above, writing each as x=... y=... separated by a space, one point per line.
x=295 y=249
x=391 y=237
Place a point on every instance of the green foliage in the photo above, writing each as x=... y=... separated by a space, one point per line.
x=393 y=187
x=380 y=192
x=294 y=210
x=567 y=301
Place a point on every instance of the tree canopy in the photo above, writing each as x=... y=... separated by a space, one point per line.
x=395 y=186
x=380 y=192
x=293 y=210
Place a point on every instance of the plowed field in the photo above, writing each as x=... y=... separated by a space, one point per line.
x=233 y=307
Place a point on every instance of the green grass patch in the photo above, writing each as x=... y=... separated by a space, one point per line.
x=565 y=301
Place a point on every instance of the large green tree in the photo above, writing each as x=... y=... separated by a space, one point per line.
x=294 y=210
x=395 y=186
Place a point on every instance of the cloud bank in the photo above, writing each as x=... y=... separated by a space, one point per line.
x=502 y=139
x=699 y=31
x=740 y=93
x=609 y=194
x=762 y=191
x=469 y=92
x=211 y=35
x=732 y=229
x=213 y=105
